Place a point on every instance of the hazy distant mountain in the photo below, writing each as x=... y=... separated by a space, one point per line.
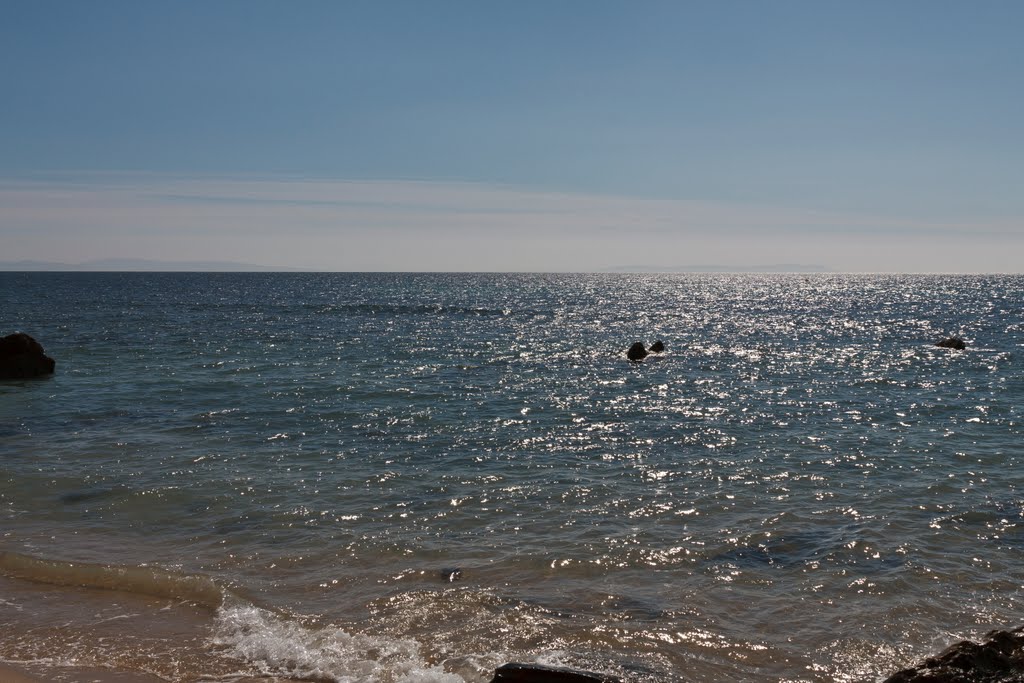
x=772 y=268
x=123 y=264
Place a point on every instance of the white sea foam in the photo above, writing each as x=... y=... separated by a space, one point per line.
x=279 y=646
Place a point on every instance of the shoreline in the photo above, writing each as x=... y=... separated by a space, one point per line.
x=17 y=673
x=9 y=673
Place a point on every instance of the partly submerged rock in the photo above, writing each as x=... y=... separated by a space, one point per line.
x=539 y=673
x=657 y=347
x=451 y=574
x=952 y=343
x=1000 y=659
x=636 y=351
x=21 y=357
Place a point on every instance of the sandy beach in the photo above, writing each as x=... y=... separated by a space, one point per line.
x=10 y=673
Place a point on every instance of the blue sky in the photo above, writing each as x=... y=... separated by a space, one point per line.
x=860 y=136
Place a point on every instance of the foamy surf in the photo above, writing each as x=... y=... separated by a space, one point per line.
x=259 y=641
x=279 y=646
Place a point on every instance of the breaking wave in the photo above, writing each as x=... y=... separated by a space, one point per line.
x=280 y=646
x=152 y=581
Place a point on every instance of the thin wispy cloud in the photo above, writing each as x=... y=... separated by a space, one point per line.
x=415 y=225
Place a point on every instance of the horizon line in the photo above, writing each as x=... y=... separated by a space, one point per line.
x=151 y=266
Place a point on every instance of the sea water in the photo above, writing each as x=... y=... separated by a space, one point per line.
x=419 y=477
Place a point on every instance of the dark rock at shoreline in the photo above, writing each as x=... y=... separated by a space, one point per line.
x=538 y=673
x=636 y=351
x=22 y=357
x=952 y=343
x=657 y=347
x=1000 y=659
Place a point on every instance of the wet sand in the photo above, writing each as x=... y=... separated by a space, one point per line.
x=10 y=673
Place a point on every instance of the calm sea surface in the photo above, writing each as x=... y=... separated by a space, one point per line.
x=415 y=478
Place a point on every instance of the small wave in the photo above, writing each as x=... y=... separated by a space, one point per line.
x=397 y=310
x=152 y=581
x=279 y=646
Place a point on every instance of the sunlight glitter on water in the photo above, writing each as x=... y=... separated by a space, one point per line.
x=801 y=462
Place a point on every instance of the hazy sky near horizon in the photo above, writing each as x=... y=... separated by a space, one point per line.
x=575 y=135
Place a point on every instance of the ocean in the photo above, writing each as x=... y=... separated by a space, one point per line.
x=415 y=478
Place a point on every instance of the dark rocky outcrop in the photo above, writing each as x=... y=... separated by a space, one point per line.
x=952 y=343
x=1000 y=659
x=21 y=357
x=657 y=347
x=636 y=352
x=538 y=673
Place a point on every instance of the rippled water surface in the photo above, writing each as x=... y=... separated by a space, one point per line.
x=418 y=477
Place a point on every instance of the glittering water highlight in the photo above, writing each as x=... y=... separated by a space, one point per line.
x=802 y=487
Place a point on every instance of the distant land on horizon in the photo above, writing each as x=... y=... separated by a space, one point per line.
x=148 y=265
x=143 y=265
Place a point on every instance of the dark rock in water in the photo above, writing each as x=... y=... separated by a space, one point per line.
x=1000 y=659
x=657 y=347
x=74 y=497
x=636 y=352
x=21 y=357
x=538 y=673
x=451 y=574
x=952 y=343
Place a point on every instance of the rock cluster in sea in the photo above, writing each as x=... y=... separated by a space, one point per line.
x=1000 y=659
x=22 y=357
x=638 y=352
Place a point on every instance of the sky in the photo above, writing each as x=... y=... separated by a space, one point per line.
x=555 y=135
